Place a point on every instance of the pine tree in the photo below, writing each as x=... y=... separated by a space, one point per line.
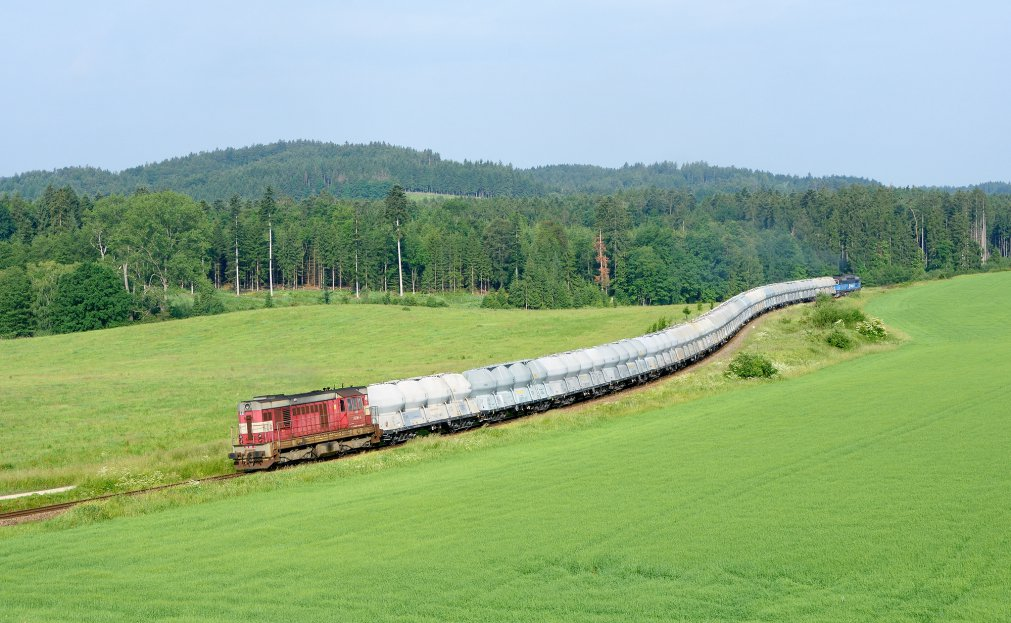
x=396 y=215
x=267 y=208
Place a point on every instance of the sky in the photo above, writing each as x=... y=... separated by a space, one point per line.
x=907 y=93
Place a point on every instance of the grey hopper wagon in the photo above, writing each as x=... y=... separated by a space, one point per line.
x=494 y=392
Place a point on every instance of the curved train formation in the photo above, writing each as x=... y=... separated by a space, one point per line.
x=283 y=428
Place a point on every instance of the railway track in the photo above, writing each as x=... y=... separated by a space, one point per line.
x=42 y=512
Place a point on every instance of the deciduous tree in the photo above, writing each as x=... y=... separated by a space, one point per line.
x=165 y=237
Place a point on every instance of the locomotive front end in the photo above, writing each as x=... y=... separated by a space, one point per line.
x=845 y=284
x=254 y=447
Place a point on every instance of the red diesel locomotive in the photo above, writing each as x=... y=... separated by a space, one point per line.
x=290 y=427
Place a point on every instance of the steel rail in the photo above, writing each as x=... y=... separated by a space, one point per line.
x=52 y=508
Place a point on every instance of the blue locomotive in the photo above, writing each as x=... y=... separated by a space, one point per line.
x=844 y=284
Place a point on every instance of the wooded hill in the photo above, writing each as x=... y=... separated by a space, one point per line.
x=636 y=246
x=300 y=169
x=120 y=244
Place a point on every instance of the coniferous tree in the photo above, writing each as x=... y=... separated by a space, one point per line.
x=15 y=303
x=396 y=216
x=89 y=297
x=612 y=219
x=267 y=207
x=7 y=224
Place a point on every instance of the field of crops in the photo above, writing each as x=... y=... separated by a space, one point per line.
x=875 y=489
x=140 y=405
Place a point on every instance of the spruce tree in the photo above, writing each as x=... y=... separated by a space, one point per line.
x=89 y=297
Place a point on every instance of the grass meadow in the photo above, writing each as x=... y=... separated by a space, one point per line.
x=249 y=300
x=124 y=408
x=876 y=489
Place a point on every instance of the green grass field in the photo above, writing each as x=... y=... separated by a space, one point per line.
x=877 y=489
x=297 y=298
x=123 y=408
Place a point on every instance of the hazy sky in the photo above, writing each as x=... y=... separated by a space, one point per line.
x=903 y=92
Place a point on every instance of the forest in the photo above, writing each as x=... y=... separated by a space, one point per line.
x=300 y=169
x=72 y=261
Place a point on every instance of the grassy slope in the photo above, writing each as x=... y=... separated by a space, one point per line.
x=125 y=403
x=296 y=298
x=877 y=489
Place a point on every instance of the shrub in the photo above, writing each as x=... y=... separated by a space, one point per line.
x=872 y=329
x=751 y=365
x=587 y=294
x=145 y=305
x=435 y=302
x=325 y=296
x=496 y=300
x=839 y=339
x=178 y=311
x=828 y=311
x=269 y=301
x=206 y=301
x=661 y=323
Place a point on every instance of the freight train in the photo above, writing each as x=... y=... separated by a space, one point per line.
x=282 y=428
x=844 y=284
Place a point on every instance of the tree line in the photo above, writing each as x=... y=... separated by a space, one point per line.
x=641 y=246
x=300 y=169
